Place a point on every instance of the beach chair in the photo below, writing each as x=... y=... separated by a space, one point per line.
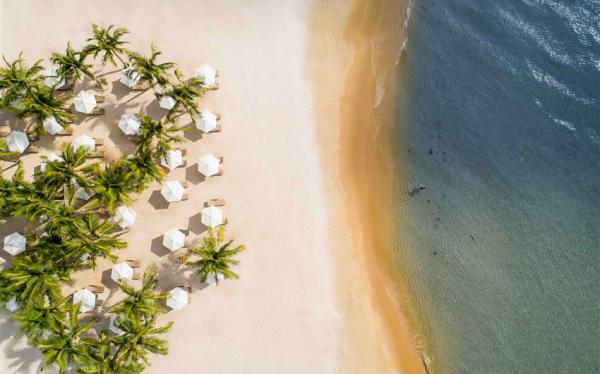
x=185 y=184
x=97 y=154
x=97 y=111
x=183 y=164
x=134 y=263
x=221 y=168
x=100 y=98
x=32 y=149
x=137 y=275
x=99 y=302
x=185 y=196
x=95 y=288
x=183 y=152
x=67 y=131
x=219 y=128
x=186 y=287
x=33 y=136
x=218 y=116
x=214 y=202
x=140 y=87
x=99 y=142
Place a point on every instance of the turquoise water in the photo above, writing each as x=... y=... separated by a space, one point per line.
x=500 y=118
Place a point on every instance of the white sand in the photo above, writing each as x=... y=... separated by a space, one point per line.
x=280 y=317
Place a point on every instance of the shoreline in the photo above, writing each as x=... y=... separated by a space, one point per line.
x=368 y=267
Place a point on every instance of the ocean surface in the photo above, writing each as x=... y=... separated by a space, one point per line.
x=499 y=117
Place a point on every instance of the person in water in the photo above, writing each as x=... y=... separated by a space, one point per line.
x=416 y=189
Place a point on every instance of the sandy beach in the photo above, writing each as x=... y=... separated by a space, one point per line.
x=308 y=299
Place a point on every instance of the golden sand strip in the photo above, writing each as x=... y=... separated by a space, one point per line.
x=358 y=53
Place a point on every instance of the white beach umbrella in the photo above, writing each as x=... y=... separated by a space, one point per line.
x=172 y=191
x=51 y=78
x=14 y=243
x=129 y=77
x=85 y=101
x=208 y=165
x=112 y=326
x=84 y=141
x=17 y=141
x=12 y=305
x=172 y=160
x=206 y=73
x=124 y=216
x=213 y=278
x=52 y=126
x=52 y=157
x=87 y=299
x=173 y=239
x=167 y=102
x=177 y=298
x=129 y=124
x=206 y=121
x=120 y=271
x=80 y=193
x=212 y=216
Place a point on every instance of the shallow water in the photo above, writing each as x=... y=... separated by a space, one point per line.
x=499 y=116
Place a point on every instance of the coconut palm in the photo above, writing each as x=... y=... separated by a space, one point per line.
x=108 y=42
x=161 y=134
x=36 y=320
x=72 y=65
x=67 y=344
x=41 y=103
x=33 y=282
x=216 y=256
x=111 y=185
x=184 y=93
x=141 y=304
x=17 y=79
x=95 y=239
x=139 y=339
x=149 y=70
x=5 y=154
x=63 y=174
x=142 y=168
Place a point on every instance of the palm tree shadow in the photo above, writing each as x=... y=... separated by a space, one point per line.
x=21 y=355
x=193 y=175
x=158 y=248
x=158 y=201
x=195 y=224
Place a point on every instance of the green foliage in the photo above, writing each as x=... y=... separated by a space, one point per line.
x=216 y=256
x=141 y=304
x=160 y=133
x=150 y=71
x=17 y=79
x=72 y=65
x=108 y=42
x=40 y=103
x=185 y=94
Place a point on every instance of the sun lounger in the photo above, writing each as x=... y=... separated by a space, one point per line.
x=99 y=98
x=218 y=116
x=99 y=141
x=99 y=302
x=4 y=132
x=219 y=128
x=134 y=263
x=67 y=131
x=136 y=275
x=185 y=196
x=140 y=87
x=33 y=137
x=183 y=164
x=213 y=87
x=183 y=152
x=32 y=149
x=95 y=288
x=97 y=154
x=186 y=287
x=215 y=202
x=97 y=111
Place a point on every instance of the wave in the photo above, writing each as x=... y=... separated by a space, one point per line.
x=566 y=124
x=552 y=82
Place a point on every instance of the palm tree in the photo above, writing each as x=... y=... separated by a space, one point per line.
x=41 y=103
x=161 y=133
x=107 y=41
x=151 y=72
x=17 y=79
x=100 y=358
x=63 y=174
x=216 y=256
x=138 y=340
x=37 y=320
x=140 y=304
x=111 y=185
x=185 y=94
x=95 y=239
x=142 y=168
x=32 y=281
x=67 y=345
x=72 y=65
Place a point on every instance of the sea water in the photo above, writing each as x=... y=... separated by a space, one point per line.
x=499 y=117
